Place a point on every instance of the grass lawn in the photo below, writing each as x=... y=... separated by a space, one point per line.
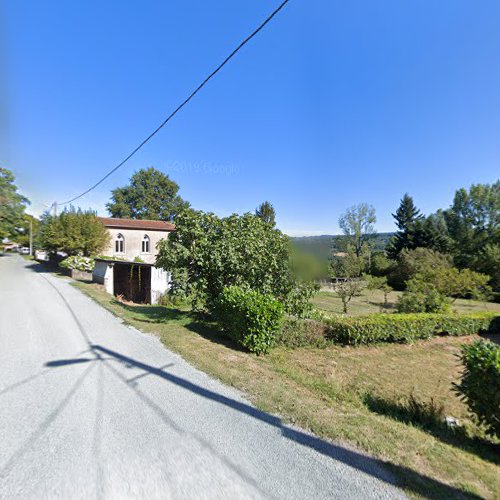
x=372 y=301
x=356 y=396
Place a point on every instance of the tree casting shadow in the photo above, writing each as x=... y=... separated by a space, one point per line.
x=418 y=483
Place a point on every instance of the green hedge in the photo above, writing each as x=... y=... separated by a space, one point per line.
x=407 y=328
x=480 y=383
x=251 y=318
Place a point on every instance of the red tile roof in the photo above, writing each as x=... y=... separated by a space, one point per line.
x=150 y=225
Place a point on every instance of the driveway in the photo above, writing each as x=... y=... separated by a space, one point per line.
x=90 y=408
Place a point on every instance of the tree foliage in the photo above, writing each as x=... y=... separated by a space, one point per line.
x=418 y=260
x=357 y=223
x=378 y=283
x=473 y=222
x=488 y=262
x=469 y=230
x=407 y=213
x=417 y=231
x=421 y=296
x=381 y=265
x=12 y=205
x=74 y=232
x=349 y=265
x=454 y=282
x=348 y=289
x=151 y=194
x=207 y=254
x=266 y=212
x=22 y=232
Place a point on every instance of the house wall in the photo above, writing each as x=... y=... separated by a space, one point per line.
x=160 y=283
x=103 y=274
x=133 y=243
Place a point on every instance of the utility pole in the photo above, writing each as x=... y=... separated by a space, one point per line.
x=54 y=205
x=31 y=236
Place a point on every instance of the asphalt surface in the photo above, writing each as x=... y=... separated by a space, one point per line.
x=91 y=408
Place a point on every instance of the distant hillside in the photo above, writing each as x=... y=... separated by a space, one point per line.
x=325 y=245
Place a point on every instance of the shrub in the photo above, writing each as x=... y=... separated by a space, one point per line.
x=406 y=328
x=251 y=318
x=297 y=332
x=79 y=263
x=421 y=296
x=480 y=383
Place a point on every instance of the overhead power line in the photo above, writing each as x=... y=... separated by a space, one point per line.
x=176 y=110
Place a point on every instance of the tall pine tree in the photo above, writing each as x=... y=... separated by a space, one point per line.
x=406 y=217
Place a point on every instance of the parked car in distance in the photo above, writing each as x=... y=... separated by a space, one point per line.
x=24 y=251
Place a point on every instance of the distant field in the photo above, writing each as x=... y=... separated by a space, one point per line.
x=372 y=301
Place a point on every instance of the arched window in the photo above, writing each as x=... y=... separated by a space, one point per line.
x=120 y=244
x=145 y=244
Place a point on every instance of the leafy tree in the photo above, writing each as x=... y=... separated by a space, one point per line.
x=437 y=270
x=488 y=262
x=266 y=212
x=12 y=205
x=380 y=265
x=378 y=283
x=74 y=232
x=349 y=265
x=207 y=254
x=473 y=222
x=151 y=194
x=357 y=223
x=22 y=232
x=419 y=260
x=348 y=289
x=454 y=282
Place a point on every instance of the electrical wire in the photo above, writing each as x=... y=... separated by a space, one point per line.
x=171 y=115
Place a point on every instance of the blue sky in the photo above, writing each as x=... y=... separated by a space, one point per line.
x=335 y=103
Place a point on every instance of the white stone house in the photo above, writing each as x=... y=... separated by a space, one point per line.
x=130 y=240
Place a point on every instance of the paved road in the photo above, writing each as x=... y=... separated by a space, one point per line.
x=90 y=408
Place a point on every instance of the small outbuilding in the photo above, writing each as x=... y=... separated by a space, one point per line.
x=134 y=281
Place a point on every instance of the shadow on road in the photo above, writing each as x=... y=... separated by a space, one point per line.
x=102 y=355
x=374 y=467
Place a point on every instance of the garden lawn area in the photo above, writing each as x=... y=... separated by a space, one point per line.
x=372 y=301
x=386 y=400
